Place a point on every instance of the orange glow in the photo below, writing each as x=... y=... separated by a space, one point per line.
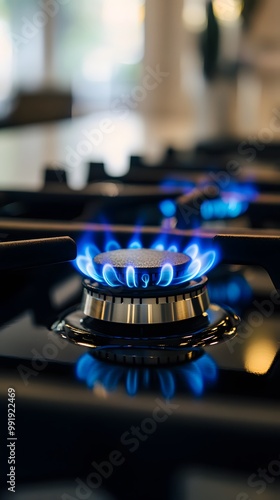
x=259 y=356
x=227 y=11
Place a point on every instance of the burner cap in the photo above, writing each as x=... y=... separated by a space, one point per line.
x=147 y=264
x=141 y=258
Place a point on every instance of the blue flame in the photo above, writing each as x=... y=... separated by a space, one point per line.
x=132 y=381
x=166 y=275
x=194 y=375
x=201 y=262
x=232 y=203
x=109 y=275
x=130 y=277
x=182 y=184
x=167 y=382
x=145 y=278
x=244 y=191
x=167 y=208
x=234 y=291
x=135 y=244
x=112 y=245
x=223 y=208
x=172 y=248
x=192 y=251
x=198 y=374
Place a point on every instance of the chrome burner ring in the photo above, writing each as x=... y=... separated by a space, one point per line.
x=176 y=304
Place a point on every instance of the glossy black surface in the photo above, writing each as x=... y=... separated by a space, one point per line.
x=210 y=420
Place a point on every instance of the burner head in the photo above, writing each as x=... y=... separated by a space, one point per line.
x=142 y=268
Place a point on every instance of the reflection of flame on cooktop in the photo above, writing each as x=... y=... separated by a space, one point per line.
x=146 y=306
x=194 y=376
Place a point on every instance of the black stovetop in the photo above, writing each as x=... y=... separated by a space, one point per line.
x=205 y=429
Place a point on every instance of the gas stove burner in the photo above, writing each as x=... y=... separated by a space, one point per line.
x=156 y=324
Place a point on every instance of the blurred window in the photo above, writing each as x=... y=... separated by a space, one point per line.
x=99 y=47
x=93 y=47
x=6 y=54
x=23 y=30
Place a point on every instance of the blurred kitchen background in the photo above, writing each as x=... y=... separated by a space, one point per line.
x=217 y=67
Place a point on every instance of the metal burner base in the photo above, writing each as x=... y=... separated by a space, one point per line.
x=147 y=307
x=168 y=348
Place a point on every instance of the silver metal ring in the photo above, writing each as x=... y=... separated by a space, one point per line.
x=134 y=310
